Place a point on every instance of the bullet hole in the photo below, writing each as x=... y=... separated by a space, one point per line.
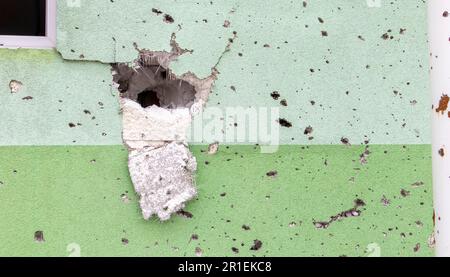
x=445 y=14
x=417 y=184
x=345 y=141
x=185 y=214
x=125 y=198
x=283 y=103
x=15 y=86
x=257 y=244
x=443 y=104
x=194 y=237
x=235 y=250
x=125 y=241
x=441 y=152
x=283 y=122
x=156 y=11
x=275 y=95
x=361 y=38
x=213 y=148
x=72 y=125
x=404 y=193
x=386 y=36
x=363 y=157
x=324 y=33
x=305 y=4
x=168 y=19
x=39 y=236
x=353 y=212
x=272 y=173
x=386 y=202
x=246 y=227
x=308 y=130
x=198 y=252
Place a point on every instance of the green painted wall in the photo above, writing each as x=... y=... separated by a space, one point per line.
x=62 y=192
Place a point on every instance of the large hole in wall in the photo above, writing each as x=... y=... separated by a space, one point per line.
x=153 y=85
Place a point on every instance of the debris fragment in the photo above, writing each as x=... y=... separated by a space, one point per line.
x=39 y=236
x=213 y=148
x=15 y=86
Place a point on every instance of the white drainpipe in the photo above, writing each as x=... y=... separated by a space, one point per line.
x=439 y=38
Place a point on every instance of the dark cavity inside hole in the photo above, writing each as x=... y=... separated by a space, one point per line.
x=148 y=98
x=153 y=85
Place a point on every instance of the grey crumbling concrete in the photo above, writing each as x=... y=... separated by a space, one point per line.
x=158 y=108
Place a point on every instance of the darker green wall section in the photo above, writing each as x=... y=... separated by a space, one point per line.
x=75 y=196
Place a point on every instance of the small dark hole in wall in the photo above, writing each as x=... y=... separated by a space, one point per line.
x=148 y=98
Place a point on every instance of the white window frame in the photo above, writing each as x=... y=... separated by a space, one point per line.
x=37 y=42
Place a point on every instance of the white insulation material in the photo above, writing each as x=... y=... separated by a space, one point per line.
x=163 y=178
x=439 y=34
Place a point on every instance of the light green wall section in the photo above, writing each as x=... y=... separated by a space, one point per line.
x=62 y=192
x=386 y=80
x=61 y=91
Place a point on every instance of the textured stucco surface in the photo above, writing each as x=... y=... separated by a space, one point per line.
x=63 y=92
x=83 y=195
x=362 y=84
x=362 y=88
